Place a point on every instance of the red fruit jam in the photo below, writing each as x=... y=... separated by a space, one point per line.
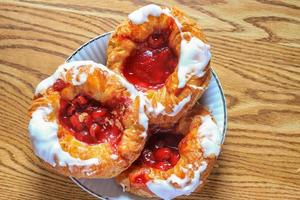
x=90 y=121
x=161 y=151
x=139 y=179
x=149 y=66
x=59 y=85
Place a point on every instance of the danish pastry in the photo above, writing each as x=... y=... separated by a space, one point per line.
x=177 y=161
x=87 y=121
x=164 y=54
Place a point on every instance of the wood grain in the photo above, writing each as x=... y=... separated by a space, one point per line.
x=256 y=54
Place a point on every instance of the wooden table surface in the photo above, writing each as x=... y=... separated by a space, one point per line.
x=256 y=54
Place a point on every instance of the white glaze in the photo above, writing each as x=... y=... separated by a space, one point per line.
x=154 y=110
x=140 y=16
x=160 y=109
x=197 y=87
x=143 y=119
x=194 y=57
x=78 y=78
x=165 y=190
x=177 y=108
x=210 y=136
x=45 y=143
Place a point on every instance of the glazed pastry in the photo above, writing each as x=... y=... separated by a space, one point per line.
x=176 y=162
x=164 y=54
x=87 y=121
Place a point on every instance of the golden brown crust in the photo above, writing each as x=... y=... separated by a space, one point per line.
x=102 y=87
x=124 y=41
x=190 y=152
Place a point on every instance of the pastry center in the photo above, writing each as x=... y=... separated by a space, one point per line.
x=90 y=121
x=161 y=151
x=149 y=66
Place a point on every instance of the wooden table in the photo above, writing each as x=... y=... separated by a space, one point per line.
x=256 y=54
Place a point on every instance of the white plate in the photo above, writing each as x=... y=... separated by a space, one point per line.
x=213 y=98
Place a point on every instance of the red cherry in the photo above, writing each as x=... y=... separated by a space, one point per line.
x=88 y=121
x=152 y=63
x=164 y=54
x=162 y=154
x=99 y=113
x=81 y=135
x=174 y=158
x=63 y=104
x=163 y=165
x=80 y=101
x=139 y=178
x=95 y=130
x=65 y=121
x=156 y=40
x=114 y=134
x=90 y=109
x=59 y=85
x=148 y=157
x=76 y=124
x=102 y=136
x=71 y=110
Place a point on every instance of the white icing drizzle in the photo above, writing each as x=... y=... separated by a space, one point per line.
x=177 y=108
x=143 y=119
x=197 y=87
x=78 y=80
x=46 y=145
x=165 y=190
x=194 y=57
x=210 y=136
x=160 y=109
x=82 y=77
x=154 y=110
x=140 y=16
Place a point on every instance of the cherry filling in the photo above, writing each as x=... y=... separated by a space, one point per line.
x=90 y=121
x=151 y=63
x=139 y=179
x=161 y=151
x=59 y=85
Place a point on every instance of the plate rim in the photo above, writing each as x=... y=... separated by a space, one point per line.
x=83 y=187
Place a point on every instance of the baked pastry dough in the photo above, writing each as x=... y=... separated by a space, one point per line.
x=87 y=121
x=167 y=169
x=164 y=54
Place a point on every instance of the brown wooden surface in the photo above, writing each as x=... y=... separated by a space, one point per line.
x=256 y=54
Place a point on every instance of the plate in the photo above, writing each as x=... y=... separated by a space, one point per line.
x=213 y=99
